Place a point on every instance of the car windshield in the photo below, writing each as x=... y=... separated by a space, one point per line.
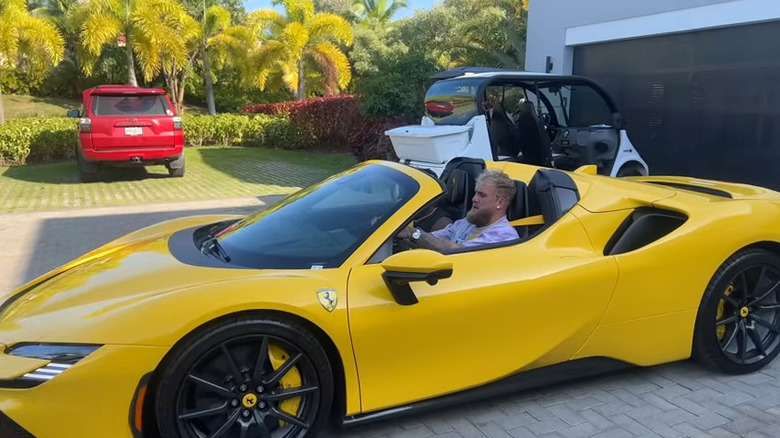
x=130 y=105
x=452 y=102
x=319 y=227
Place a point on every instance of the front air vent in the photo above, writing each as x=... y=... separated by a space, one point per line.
x=642 y=227
x=46 y=373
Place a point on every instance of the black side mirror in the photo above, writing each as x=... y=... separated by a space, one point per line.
x=74 y=113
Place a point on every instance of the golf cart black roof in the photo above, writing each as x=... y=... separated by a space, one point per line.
x=491 y=72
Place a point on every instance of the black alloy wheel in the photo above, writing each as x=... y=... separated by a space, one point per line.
x=738 y=327
x=253 y=378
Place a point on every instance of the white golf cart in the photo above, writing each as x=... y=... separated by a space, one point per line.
x=541 y=119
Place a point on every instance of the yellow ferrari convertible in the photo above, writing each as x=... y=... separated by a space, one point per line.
x=263 y=325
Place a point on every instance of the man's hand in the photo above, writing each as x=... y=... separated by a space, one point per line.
x=406 y=233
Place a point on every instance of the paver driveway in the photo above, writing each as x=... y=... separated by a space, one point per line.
x=674 y=400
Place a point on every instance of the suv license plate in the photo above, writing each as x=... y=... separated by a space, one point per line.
x=136 y=130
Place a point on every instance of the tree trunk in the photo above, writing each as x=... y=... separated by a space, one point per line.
x=180 y=96
x=131 y=80
x=2 y=109
x=301 y=81
x=209 y=84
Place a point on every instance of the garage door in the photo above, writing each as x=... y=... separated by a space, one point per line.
x=703 y=103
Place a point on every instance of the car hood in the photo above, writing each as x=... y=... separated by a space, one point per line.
x=115 y=276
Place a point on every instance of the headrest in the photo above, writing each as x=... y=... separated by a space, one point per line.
x=457 y=185
x=518 y=208
x=552 y=194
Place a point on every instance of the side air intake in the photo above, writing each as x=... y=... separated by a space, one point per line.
x=642 y=227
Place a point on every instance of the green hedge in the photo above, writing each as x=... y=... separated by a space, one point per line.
x=40 y=139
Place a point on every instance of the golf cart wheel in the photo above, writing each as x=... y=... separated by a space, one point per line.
x=630 y=169
x=738 y=323
x=246 y=377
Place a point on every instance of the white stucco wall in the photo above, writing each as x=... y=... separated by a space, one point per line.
x=555 y=26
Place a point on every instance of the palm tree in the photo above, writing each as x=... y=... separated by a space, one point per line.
x=301 y=40
x=24 y=39
x=145 y=26
x=379 y=12
x=215 y=23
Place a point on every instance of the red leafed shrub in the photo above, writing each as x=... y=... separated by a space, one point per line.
x=336 y=123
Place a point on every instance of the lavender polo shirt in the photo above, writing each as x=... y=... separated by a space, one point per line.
x=465 y=233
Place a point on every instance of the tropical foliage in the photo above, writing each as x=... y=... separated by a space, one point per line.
x=300 y=42
x=27 y=42
x=225 y=58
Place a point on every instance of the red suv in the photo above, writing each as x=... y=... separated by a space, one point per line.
x=122 y=125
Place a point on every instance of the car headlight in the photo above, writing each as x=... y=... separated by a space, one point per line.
x=62 y=357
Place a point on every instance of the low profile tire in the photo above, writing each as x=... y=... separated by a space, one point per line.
x=245 y=378
x=176 y=167
x=631 y=169
x=87 y=171
x=738 y=323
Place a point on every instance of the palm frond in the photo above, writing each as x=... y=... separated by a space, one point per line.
x=326 y=26
x=295 y=37
x=147 y=52
x=217 y=20
x=300 y=11
x=264 y=60
x=263 y=19
x=98 y=30
x=334 y=63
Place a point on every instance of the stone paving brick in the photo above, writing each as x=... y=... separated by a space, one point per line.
x=660 y=428
x=629 y=424
x=597 y=420
x=492 y=430
x=614 y=433
x=690 y=430
x=564 y=413
x=742 y=426
x=579 y=431
x=521 y=432
x=581 y=403
x=516 y=420
x=709 y=420
x=547 y=426
x=720 y=432
x=675 y=417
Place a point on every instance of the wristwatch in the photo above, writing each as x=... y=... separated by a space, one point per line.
x=416 y=234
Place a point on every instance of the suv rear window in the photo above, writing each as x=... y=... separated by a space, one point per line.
x=130 y=105
x=452 y=102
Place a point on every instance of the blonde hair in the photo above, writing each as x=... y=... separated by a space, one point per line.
x=505 y=187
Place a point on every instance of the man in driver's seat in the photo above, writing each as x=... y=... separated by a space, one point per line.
x=485 y=223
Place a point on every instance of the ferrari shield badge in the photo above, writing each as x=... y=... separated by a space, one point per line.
x=329 y=298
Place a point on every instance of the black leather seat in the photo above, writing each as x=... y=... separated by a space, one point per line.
x=504 y=135
x=518 y=209
x=533 y=138
x=552 y=193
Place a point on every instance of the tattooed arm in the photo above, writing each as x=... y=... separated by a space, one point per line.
x=427 y=240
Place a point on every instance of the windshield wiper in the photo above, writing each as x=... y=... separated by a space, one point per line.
x=212 y=246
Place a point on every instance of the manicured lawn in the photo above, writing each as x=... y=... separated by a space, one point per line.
x=212 y=172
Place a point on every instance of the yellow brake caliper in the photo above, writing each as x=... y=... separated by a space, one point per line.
x=720 y=330
x=292 y=379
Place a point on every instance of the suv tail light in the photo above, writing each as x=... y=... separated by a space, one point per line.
x=85 y=124
x=177 y=122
